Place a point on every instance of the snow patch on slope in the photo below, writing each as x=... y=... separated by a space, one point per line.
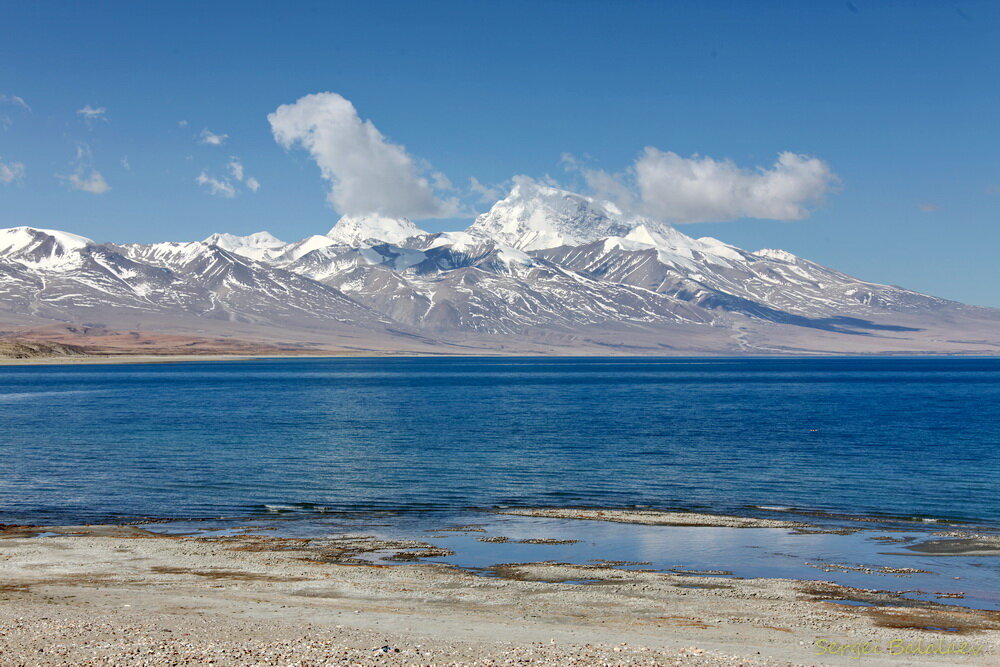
x=773 y=253
x=299 y=249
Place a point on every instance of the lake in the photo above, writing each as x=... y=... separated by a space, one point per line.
x=898 y=437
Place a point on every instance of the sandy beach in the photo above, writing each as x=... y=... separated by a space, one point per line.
x=126 y=595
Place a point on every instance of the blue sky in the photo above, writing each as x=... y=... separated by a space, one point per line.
x=900 y=100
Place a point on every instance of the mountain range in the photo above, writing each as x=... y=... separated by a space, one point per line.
x=544 y=271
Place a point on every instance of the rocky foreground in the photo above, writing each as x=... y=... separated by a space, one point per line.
x=122 y=595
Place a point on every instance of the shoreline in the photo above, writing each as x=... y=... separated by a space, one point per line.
x=747 y=516
x=189 y=358
x=114 y=359
x=247 y=597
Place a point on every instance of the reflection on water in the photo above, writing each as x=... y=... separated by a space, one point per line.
x=858 y=559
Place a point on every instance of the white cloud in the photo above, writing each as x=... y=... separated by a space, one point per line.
x=16 y=101
x=11 y=172
x=236 y=168
x=84 y=177
x=89 y=181
x=368 y=174
x=229 y=186
x=11 y=100
x=664 y=185
x=126 y=164
x=488 y=194
x=222 y=187
x=441 y=182
x=210 y=138
x=90 y=113
x=182 y=123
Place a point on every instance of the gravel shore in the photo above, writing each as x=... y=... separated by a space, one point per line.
x=124 y=596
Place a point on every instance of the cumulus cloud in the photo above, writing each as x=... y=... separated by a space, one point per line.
x=664 y=185
x=11 y=172
x=91 y=113
x=84 y=177
x=210 y=138
x=368 y=174
x=230 y=185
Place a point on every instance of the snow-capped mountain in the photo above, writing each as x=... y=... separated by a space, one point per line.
x=40 y=248
x=544 y=270
x=535 y=216
x=356 y=230
x=261 y=246
x=58 y=277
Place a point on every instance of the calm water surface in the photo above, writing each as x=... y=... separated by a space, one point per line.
x=899 y=437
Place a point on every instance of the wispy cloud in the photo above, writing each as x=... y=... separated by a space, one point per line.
x=91 y=181
x=11 y=172
x=666 y=186
x=84 y=177
x=229 y=186
x=236 y=168
x=216 y=186
x=487 y=194
x=929 y=207
x=11 y=100
x=16 y=101
x=90 y=113
x=368 y=174
x=210 y=138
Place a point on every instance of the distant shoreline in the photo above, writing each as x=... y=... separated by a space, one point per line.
x=95 y=359
x=176 y=358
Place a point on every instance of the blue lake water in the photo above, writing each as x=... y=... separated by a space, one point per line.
x=872 y=436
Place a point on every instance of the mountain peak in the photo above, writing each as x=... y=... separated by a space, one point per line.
x=535 y=216
x=356 y=230
x=44 y=248
x=260 y=239
x=259 y=246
